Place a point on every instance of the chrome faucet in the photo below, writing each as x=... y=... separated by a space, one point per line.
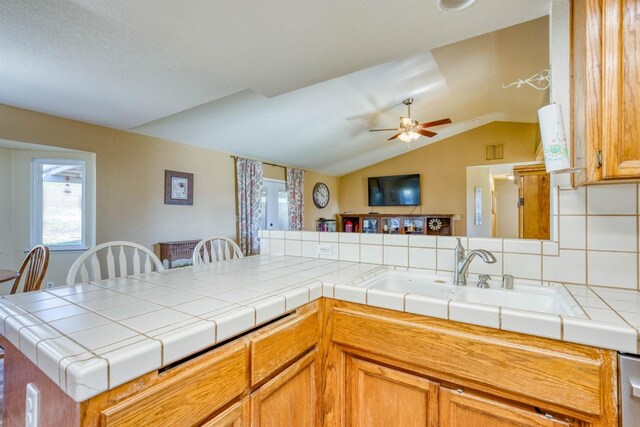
x=462 y=266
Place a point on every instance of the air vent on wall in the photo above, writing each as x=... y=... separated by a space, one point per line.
x=494 y=152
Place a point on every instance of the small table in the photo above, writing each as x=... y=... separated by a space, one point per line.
x=172 y=251
x=6 y=275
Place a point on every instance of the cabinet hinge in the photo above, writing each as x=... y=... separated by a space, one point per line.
x=599 y=159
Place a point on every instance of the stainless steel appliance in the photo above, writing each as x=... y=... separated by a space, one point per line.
x=630 y=390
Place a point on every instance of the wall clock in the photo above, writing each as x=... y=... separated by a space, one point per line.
x=321 y=195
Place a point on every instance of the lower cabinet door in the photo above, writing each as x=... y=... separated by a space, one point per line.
x=466 y=410
x=289 y=399
x=379 y=396
x=236 y=416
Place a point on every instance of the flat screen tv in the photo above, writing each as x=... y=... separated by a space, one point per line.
x=398 y=190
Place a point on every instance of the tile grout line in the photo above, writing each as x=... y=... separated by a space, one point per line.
x=586 y=237
x=610 y=308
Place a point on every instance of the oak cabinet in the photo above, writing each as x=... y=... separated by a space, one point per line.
x=606 y=89
x=382 y=367
x=460 y=409
x=379 y=396
x=289 y=399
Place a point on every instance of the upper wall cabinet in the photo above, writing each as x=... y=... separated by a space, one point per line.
x=606 y=89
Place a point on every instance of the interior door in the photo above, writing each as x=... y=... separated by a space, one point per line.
x=275 y=205
x=534 y=204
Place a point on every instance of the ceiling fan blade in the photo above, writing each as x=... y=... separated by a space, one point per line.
x=436 y=123
x=381 y=130
x=428 y=133
x=395 y=136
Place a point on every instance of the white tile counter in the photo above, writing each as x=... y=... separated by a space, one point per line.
x=91 y=338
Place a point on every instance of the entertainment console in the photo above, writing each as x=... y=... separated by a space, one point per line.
x=426 y=224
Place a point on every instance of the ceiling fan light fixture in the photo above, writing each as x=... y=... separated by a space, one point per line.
x=404 y=137
x=454 y=5
x=408 y=136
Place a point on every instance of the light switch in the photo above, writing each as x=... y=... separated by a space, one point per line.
x=32 y=403
x=325 y=249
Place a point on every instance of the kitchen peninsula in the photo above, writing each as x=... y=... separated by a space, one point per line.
x=236 y=340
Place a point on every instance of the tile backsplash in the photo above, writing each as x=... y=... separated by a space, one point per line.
x=596 y=228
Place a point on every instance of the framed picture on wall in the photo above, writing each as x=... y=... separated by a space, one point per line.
x=178 y=188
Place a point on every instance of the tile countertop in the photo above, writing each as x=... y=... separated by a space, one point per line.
x=93 y=337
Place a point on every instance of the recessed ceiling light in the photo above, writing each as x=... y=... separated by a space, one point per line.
x=453 y=5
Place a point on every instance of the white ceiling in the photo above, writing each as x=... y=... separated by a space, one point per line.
x=297 y=82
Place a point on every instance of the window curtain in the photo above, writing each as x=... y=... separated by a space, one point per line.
x=295 y=188
x=249 y=175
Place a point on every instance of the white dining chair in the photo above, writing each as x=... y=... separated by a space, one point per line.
x=132 y=258
x=214 y=249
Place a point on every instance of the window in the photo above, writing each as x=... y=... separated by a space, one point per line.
x=59 y=203
x=477 y=192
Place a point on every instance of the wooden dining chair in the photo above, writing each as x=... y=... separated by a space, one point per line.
x=214 y=249
x=132 y=259
x=33 y=269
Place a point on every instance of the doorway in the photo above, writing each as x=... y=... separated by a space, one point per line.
x=275 y=205
x=494 y=203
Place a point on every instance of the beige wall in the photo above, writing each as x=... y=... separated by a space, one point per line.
x=130 y=179
x=442 y=166
x=311 y=212
x=130 y=185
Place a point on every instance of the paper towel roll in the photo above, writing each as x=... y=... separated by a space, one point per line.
x=554 y=140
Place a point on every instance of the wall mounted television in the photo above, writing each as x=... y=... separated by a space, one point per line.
x=397 y=190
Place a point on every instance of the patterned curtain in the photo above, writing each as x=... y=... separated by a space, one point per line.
x=249 y=174
x=295 y=188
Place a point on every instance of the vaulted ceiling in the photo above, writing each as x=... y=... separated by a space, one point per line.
x=297 y=82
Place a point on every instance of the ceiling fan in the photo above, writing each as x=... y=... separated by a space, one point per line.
x=409 y=129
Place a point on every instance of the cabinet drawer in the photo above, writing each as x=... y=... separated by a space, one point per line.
x=468 y=410
x=189 y=396
x=572 y=380
x=276 y=348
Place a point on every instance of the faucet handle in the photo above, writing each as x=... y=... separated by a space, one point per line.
x=507 y=281
x=484 y=279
